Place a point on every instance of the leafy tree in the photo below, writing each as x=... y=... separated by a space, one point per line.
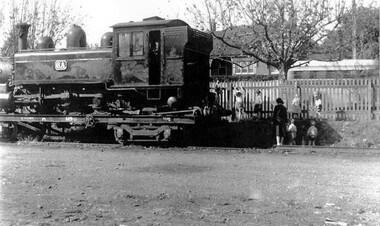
x=46 y=17
x=275 y=32
x=339 y=44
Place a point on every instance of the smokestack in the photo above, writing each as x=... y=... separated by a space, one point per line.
x=23 y=35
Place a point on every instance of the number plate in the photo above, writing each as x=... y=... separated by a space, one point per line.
x=61 y=65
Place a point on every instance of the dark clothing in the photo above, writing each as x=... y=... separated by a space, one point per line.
x=280 y=130
x=279 y=120
x=258 y=108
x=280 y=115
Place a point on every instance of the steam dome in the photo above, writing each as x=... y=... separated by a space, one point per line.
x=106 y=40
x=45 y=42
x=76 y=37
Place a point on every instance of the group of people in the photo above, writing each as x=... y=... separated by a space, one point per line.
x=280 y=114
x=281 y=128
x=239 y=94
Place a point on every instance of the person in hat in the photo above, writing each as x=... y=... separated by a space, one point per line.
x=279 y=120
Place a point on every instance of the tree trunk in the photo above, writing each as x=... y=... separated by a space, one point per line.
x=283 y=74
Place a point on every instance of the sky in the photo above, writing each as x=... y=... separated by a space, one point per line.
x=101 y=15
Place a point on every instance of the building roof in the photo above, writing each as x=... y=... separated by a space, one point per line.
x=348 y=64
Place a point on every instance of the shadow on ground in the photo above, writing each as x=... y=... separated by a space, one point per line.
x=255 y=134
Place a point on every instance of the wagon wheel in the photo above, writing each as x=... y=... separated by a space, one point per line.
x=8 y=131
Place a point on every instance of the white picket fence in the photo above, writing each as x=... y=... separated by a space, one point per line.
x=342 y=99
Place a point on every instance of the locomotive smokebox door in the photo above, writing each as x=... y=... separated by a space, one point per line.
x=154 y=57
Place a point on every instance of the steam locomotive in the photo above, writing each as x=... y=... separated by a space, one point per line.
x=146 y=81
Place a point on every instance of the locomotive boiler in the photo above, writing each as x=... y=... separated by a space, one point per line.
x=146 y=81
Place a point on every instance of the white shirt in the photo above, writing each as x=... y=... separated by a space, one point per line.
x=292 y=128
x=239 y=96
x=318 y=102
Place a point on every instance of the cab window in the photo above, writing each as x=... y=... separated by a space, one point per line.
x=137 y=44
x=124 y=44
x=131 y=44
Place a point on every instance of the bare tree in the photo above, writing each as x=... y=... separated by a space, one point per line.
x=365 y=35
x=275 y=32
x=47 y=18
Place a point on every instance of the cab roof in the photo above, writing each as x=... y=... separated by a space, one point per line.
x=152 y=22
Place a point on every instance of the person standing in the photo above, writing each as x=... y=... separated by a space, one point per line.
x=296 y=106
x=218 y=91
x=293 y=132
x=239 y=102
x=318 y=103
x=258 y=108
x=312 y=133
x=279 y=120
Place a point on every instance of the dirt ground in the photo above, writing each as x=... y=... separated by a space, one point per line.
x=82 y=184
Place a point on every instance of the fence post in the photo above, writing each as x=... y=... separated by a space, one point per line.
x=231 y=96
x=370 y=101
x=377 y=97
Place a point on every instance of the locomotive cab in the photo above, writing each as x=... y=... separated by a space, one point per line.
x=161 y=60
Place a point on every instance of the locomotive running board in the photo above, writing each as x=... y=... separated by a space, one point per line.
x=90 y=120
x=126 y=127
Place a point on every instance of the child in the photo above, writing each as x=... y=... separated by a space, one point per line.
x=312 y=133
x=239 y=102
x=293 y=132
x=258 y=108
x=218 y=91
x=296 y=106
x=318 y=103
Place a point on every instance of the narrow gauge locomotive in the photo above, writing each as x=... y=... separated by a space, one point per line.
x=146 y=81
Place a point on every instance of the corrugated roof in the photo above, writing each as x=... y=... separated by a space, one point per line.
x=148 y=23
